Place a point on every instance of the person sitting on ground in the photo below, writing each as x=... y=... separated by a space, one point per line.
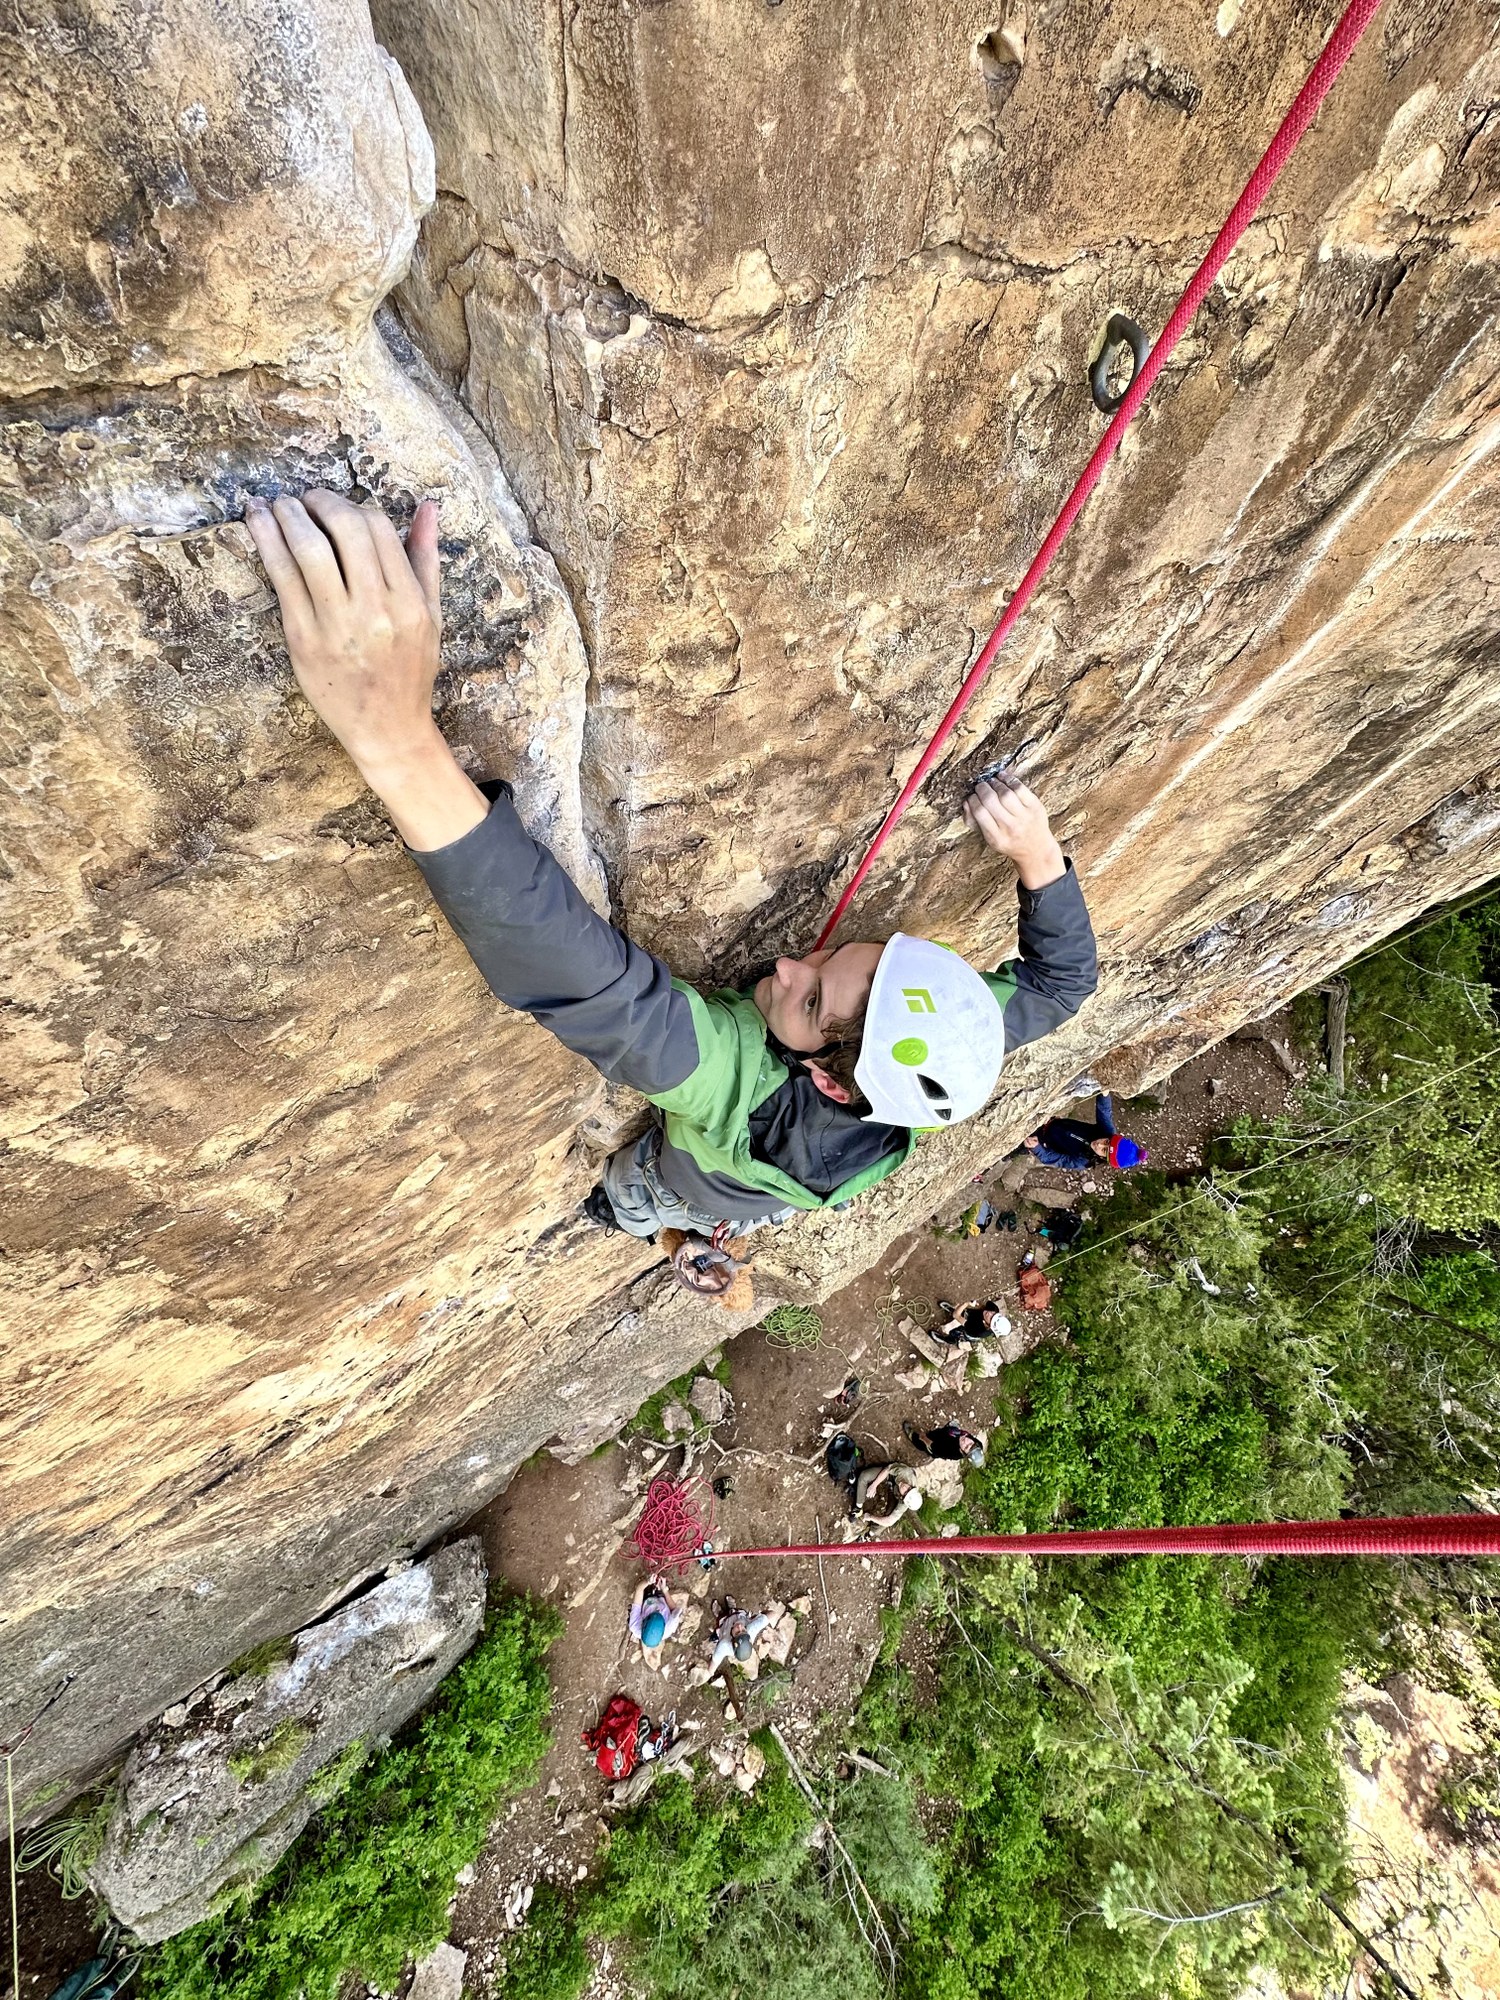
x=970 y=1322
x=735 y=1637
x=947 y=1441
x=904 y=1489
x=655 y=1614
x=798 y=1092
x=1074 y=1142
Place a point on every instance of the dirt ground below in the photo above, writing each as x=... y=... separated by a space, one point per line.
x=560 y=1531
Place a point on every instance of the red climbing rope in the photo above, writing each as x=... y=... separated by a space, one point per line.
x=1304 y=109
x=1410 y=1535
x=676 y=1522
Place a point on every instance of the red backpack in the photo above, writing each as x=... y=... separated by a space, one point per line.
x=614 y=1737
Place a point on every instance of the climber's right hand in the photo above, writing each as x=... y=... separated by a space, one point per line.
x=363 y=621
x=361 y=613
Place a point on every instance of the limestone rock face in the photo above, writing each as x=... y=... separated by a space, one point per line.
x=782 y=332
x=214 y=1794
x=775 y=320
x=187 y=188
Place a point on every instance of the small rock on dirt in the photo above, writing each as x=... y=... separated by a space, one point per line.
x=440 y=1975
x=711 y=1400
x=677 y=1421
x=942 y=1480
x=777 y=1640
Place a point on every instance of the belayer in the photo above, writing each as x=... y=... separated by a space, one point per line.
x=1076 y=1142
x=798 y=1093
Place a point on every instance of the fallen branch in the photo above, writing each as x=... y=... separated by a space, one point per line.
x=883 y=1950
x=822 y=1579
x=868 y=1764
x=1337 y=992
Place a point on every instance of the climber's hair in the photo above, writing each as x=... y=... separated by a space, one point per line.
x=838 y=1056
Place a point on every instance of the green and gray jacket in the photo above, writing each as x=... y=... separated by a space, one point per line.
x=744 y=1133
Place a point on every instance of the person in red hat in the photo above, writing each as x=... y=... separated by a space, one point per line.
x=1074 y=1142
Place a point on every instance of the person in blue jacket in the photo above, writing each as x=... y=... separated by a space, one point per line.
x=797 y=1093
x=1074 y=1142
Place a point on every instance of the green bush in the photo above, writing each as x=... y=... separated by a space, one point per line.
x=548 y=1959
x=1424 y=1069
x=367 y=1885
x=710 y=1892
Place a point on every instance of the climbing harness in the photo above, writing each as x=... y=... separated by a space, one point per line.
x=1341 y=46
x=703 y=1265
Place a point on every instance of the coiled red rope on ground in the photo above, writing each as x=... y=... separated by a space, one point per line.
x=1341 y=46
x=676 y=1521
x=1410 y=1535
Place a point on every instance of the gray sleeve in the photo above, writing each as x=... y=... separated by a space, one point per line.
x=543 y=950
x=1059 y=964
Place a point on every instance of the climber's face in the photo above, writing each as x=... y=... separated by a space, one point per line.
x=804 y=998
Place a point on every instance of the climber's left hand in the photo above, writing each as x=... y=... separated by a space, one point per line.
x=1013 y=821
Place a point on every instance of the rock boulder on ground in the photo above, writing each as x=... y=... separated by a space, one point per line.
x=711 y=1400
x=211 y=1803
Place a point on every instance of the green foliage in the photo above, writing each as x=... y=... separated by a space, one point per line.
x=273 y=1755
x=879 y=1823
x=715 y=1894
x=1424 y=1056
x=368 y=1884
x=549 y=1959
x=326 y=1784
x=259 y=1661
x=710 y=1892
x=647 y=1420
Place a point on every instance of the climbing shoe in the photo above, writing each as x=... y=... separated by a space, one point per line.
x=596 y=1206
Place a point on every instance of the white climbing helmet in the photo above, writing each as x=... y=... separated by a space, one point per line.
x=934 y=1036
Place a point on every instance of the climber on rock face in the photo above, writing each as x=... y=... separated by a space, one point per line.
x=799 y=1093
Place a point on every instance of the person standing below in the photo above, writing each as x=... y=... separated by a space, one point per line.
x=1074 y=1142
x=799 y=1092
x=734 y=1639
x=947 y=1441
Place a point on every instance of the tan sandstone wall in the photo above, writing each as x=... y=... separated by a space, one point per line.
x=777 y=318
